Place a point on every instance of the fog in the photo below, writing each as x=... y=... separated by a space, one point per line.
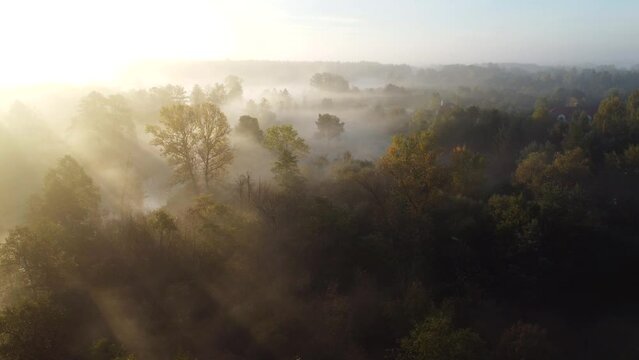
x=304 y=180
x=40 y=123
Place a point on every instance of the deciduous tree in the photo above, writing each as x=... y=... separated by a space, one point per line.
x=329 y=126
x=287 y=145
x=195 y=141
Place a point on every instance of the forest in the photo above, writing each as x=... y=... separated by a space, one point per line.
x=316 y=211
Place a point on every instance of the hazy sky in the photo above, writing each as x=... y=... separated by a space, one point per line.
x=46 y=40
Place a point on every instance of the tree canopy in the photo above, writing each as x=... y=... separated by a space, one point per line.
x=195 y=140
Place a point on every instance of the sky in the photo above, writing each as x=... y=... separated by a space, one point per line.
x=86 y=40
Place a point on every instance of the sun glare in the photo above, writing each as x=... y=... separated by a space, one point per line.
x=76 y=41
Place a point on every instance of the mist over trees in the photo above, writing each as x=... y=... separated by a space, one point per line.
x=287 y=146
x=329 y=126
x=195 y=140
x=381 y=212
x=249 y=126
x=329 y=82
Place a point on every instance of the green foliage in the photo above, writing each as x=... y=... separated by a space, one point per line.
x=284 y=138
x=423 y=172
x=177 y=139
x=514 y=217
x=215 y=220
x=517 y=230
x=163 y=224
x=627 y=163
x=329 y=126
x=509 y=211
x=413 y=164
x=250 y=127
x=195 y=141
x=421 y=120
x=34 y=329
x=541 y=110
x=287 y=145
x=329 y=82
x=69 y=197
x=38 y=254
x=632 y=110
x=467 y=171
x=579 y=133
x=437 y=339
x=610 y=117
x=109 y=117
x=566 y=169
x=62 y=221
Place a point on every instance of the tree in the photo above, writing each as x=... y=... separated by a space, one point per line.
x=412 y=162
x=265 y=112
x=198 y=96
x=632 y=110
x=627 y=162
x=524 y=341
x=162 y=224
x=541 y=110
x=329 y=126
x=176 y=93
x=195 y=141
x=34 y=329
x=106 y=122
x=467 y=171
x=435 y=102
x=420 y=120
x=37 y=255
x=250 y=127
x=61 y=224
x=251 y=108
x=177 y=139
x=329 y=82
x=217 y=95
x=610 y=117
x=233 y=85
x=287 y=145
x=565 y=169
x=517 y=231
x=213 y=146
x=436 y=339
x=69 y=197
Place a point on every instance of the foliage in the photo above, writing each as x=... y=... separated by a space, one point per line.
x=437 y=339
x=493 y=215
x=414 y=164
x=329 y=126
x=195 y=140
x=35 y=329
x=69 y=197
x=524 y=341
x=250 y=127
x=329 y=82
x=233 y=85
x=288 y=146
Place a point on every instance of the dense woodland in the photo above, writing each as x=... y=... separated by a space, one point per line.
x=408 y=221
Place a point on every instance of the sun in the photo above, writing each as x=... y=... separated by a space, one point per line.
x=79 y=41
